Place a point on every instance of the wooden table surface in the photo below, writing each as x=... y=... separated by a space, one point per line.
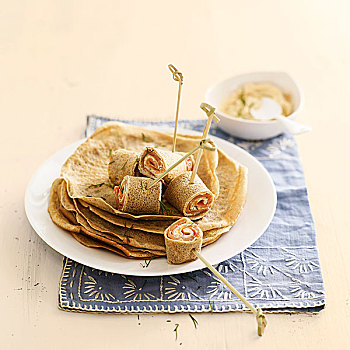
x=60 y=61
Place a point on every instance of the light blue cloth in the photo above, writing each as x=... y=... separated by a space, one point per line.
x=280 y=272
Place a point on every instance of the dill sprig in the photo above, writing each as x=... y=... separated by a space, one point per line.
x=164 y=208
x=123 y=165
x=110 y=153
x=243 y=100
x=144 y=138
x=195 y=322
x=175 y=330
x=109 y=184
x=148 y=151
x=96 y=185
x=126 y=229
x=147 y=262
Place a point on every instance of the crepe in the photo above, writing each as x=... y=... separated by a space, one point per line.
x=192 y=199
x=91 y=243
x=233 y=189
x=86 y=171
x=133 y=195
x=122 y=162
x=182 y=238
x=154 y=226
x=54 y=209
x=127 y=234
x=232 y=175
x=154 y=162
x=97 y=238
x=115 y=242
x=85 y=176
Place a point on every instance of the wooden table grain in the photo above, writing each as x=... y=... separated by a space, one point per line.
x=60 y=61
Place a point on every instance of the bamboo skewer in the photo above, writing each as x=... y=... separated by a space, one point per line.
x=210 y=111
x=260 y=317
x=202 y=145
x=177 y=76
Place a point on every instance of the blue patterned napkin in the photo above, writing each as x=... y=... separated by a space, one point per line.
x=280 y=272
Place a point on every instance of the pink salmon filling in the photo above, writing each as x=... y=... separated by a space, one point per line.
x=199 y=203
x=119 y=195
x=183 y=230
x=155 y=165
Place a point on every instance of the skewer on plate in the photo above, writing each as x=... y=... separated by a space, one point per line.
x=210 y=111
x=183 y=240
x=203 y=144
x=177 y=76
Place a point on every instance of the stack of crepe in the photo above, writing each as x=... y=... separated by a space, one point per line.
x=82 y=200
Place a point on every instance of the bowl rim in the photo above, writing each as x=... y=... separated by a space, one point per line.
x=257 y=122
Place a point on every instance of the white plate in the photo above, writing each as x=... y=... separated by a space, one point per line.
x=253 y=221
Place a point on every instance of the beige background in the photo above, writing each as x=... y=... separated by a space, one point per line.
x=62 y=60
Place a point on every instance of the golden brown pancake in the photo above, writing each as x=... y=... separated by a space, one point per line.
x=82 y=201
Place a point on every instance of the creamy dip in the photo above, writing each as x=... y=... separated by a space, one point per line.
x=248 y=96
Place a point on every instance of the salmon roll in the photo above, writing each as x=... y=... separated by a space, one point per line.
x=132 y=196
x=122 y=162
x=181 y=238
x=191 y=199
x=153 y=162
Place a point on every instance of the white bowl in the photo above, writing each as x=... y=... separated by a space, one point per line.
x=251 y=129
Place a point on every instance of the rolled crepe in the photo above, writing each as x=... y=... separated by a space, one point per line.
x=190 y=199
x=154 y=162
x=181 y=238
x=122 y=162
x=132 y=196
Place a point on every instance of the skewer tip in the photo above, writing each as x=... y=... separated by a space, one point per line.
x=262 y=322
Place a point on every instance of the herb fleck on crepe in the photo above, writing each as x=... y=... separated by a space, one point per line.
x=164 y=209
x=124 y=165
x=96 y=185
x=144 y=138
x=148 y=151
x=126 y=229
